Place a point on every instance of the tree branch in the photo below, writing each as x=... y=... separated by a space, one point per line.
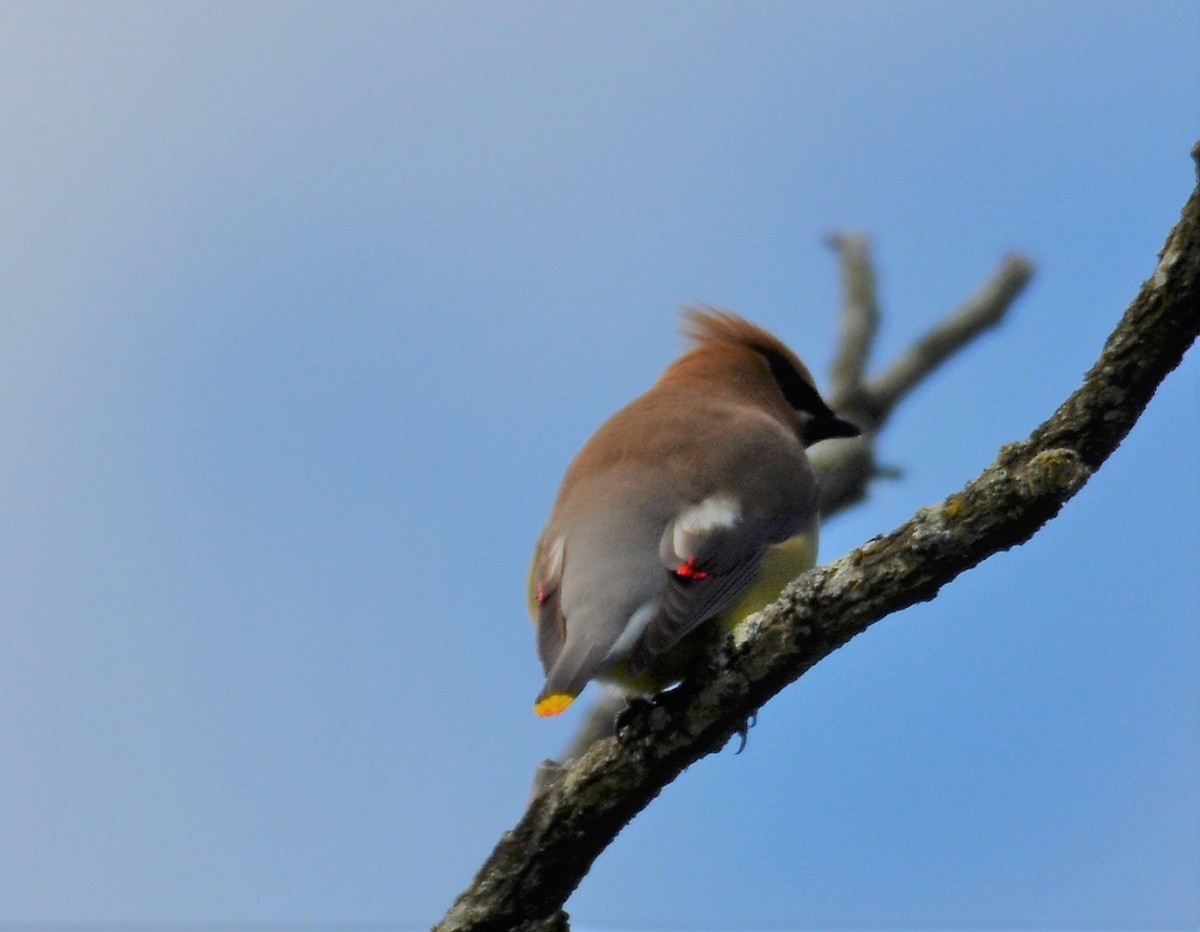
x=982 y=310
x=846 y=467
x=859 y=318
x=537 y=864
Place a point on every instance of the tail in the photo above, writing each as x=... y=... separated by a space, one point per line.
x=577 y=664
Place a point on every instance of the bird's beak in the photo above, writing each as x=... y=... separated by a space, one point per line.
x=825 y=428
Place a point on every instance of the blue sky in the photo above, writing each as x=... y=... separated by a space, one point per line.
x=303 y=311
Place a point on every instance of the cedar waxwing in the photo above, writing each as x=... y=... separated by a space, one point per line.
x=687 y=511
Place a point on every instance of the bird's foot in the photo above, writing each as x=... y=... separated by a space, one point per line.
x=634 y=707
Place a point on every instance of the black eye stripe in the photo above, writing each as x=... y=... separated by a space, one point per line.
x=796 y=389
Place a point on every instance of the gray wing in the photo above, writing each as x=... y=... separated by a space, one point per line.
x=596 y=577
x=709 y=554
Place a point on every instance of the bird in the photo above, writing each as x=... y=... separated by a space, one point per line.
x=687 y=511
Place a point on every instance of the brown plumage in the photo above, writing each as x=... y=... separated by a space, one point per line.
x=666 y=514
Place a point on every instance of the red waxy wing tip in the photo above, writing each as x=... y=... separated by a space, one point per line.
x=687 y=570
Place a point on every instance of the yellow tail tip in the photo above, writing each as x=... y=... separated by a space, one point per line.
x=552 y=704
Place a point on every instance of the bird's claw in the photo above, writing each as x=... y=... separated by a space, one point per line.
x=634 y=706
x=743 y=732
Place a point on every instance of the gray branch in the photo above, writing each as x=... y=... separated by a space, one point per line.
x=982 y=310
x=535 y=867
x=859 y=319
x=846 y=467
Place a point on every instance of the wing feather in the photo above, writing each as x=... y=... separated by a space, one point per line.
x=707 y=565
x=545 y=590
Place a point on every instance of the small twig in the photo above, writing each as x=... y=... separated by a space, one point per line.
x=982 y=310
x=859 y=319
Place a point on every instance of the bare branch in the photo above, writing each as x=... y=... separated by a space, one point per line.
x=859 y=318
x=982 y=310
x=537 y=864
x=846 y=467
